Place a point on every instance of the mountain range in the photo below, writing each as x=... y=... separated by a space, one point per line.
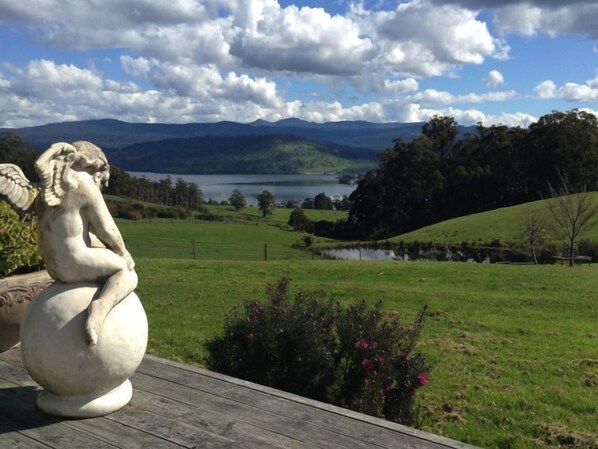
x=286 y=146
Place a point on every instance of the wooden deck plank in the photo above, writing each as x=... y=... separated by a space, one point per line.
x=120 y=435
x=149 y=431
x=326 y=416
x=177 y=406
x=263 y=419
x=197 y=415
x=15 y=440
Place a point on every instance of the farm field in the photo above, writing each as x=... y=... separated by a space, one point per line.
x=514 y=348
x=241 y=235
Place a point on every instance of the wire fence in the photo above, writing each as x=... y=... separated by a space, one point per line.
x=166 y=248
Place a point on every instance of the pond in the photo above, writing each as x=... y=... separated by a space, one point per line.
x=472 y=255
x=284 y=188
x=362 y=254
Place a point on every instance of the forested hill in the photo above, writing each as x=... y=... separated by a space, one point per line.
x=438 y=175
x=248 y=154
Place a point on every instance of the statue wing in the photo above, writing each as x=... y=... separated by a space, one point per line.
x=52 y=167
x=15 y=186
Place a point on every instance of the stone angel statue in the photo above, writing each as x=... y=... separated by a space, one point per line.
x=69 y=206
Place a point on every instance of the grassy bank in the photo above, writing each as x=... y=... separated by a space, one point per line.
x=504 y=225
x=514 y=349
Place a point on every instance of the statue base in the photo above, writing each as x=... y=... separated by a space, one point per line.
x=81 y=380
x=86 y=406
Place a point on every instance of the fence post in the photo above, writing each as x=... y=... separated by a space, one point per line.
x=194 y=256
x=266 y=252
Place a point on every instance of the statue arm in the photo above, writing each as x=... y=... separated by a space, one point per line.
x=104 y=226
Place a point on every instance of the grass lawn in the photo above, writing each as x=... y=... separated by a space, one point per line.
x=514 y=348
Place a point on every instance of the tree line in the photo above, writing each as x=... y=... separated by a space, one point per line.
x=178 y=193
x=167 y=192
x=439 y=175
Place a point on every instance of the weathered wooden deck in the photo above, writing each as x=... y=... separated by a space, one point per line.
x=178 y=406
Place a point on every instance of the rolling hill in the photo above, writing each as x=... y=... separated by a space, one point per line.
x=504 y=225
x=273 y=153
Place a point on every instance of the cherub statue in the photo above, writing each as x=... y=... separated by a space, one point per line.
x=69 y=205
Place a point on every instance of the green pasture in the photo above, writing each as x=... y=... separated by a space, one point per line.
x=514 y=348
x=242 y=235
x=505 y=225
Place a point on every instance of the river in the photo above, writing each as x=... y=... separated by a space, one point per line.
x=283 y=187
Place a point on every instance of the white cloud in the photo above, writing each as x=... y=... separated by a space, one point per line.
x=569 y=91
x=494 y=78
x=469 y=117
x=546 y=89
x=136 y=67
x=414 y=39
x=304 y=40
x=66 y=92
x=401 y=86
x=421 y=39
x=433 y=96
x=41 y=78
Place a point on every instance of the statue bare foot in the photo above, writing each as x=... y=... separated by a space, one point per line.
x=95 y=319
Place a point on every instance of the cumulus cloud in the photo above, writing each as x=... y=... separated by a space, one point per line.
x=303 y=40
x=494 y=79
x=136 y=67
x=416 y=38
x=40 y=78
x=569 y=91
x=401 y=86
x=421 y=39
x=433 y=96
x=67 y=92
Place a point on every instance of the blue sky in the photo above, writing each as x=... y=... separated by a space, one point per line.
x=319 y=60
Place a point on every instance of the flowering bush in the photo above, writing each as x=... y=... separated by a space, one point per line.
x=18 y=243
x=358 y=357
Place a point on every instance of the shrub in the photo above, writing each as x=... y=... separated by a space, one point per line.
x=18 y=243
x=357 y=357
x=299 y=221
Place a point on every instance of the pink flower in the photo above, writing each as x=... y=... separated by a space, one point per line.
x=423 y=379
x=381 y=360
x=403 y=355
x=373 y=344
x=361 y=344
x=367 y=364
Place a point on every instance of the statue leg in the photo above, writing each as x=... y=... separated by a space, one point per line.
x=116 y=288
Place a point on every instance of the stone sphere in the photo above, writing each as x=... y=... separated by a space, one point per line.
x=56 y=353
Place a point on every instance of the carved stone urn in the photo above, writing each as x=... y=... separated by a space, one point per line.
x=16 y=292
x=82 y=380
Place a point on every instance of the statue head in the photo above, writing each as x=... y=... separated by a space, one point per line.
x=91 y=158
